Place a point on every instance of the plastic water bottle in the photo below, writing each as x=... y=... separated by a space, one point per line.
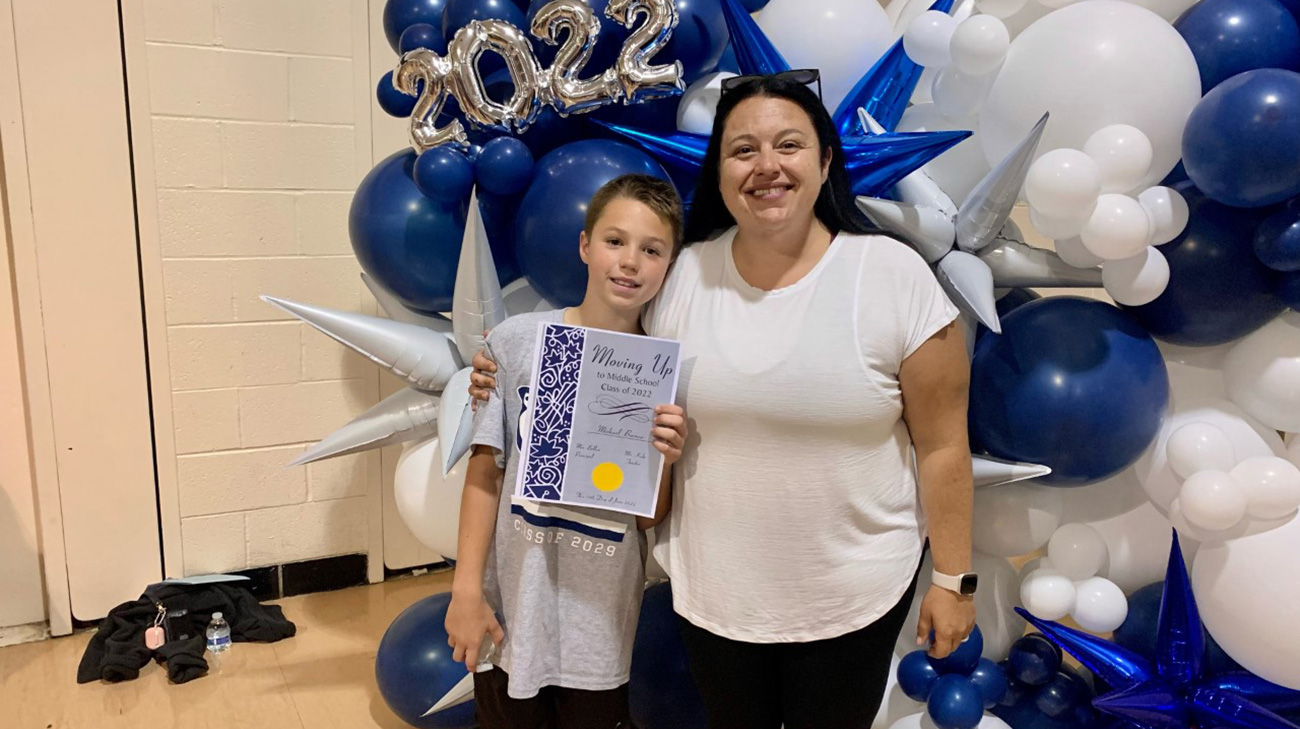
x=218 y=641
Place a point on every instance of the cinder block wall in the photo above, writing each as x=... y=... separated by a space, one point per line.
x=255 y=151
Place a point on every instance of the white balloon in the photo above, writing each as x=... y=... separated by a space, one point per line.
x=1099 y=605
x=1200 y=447
x=895 y=704
x=699 y=103
x=1064 y=183
x=1073 y=252
x=1091 y=65
x=1060 y=227
x=427 y=501
x=1272 y=486
x=927 y=39
x=1054 y=4
x=1138 y=280
x=1212 y=500
x=1014 y=519
x=1000 y=8
x=1047 y=594
x=1077 y=551
x=958 y=94
x=923 y=721
x=842 y=38
x=1246 y=591
x=1119 y=227
x=961 y=168
x=1123 y=154
x=1263 y=373
x=1167 y=9
x=1168 y=210
x=1026 y=16
x=979 y=45
x=1293 y=450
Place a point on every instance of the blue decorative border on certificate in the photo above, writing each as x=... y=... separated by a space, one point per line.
x=554 y=397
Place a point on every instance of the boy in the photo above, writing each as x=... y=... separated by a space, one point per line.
x=566 y=580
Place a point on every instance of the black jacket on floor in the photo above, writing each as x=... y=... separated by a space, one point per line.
x=117 y=651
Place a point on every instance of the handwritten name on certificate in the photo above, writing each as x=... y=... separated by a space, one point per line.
x=587 y=441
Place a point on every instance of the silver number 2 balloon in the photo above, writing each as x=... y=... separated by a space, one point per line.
x=640 y=80
x=569 y=94
x=471 y=42
x=424 y=73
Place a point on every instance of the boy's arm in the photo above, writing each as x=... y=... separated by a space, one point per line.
x=469 y=617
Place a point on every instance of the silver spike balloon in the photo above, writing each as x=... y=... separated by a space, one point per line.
x=928 y=230
x=407 y=414
x=969 y=283
x=477 y=304
x=989 y=205
x=397 y=311
x=1016 y=264
x=990 y=471
x=455 y=420
x=424 y=359
x=917 y=188
x=461 y=693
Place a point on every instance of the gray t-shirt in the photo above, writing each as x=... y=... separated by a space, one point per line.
x=566 y=580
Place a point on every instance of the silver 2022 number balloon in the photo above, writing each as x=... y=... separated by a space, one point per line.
x=431 y=77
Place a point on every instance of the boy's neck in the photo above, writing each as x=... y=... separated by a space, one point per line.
x=594 y=315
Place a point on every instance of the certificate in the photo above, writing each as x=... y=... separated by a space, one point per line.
x=587 y=441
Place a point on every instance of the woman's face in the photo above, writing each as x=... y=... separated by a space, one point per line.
x=771 y=168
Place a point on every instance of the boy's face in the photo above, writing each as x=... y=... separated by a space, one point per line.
x=627 y=255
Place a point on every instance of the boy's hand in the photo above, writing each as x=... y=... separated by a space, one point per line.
x=669 y=432
x=482 y=381
x=468 y=620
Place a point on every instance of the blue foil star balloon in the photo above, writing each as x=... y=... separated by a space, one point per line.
x=1173 y=691
x=755 y=54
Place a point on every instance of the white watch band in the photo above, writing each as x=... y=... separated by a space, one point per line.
x=947 y=582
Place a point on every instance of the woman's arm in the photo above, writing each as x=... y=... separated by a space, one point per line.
x=935 y=381
x=469 y=617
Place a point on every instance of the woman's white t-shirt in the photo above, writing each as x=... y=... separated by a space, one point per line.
x=795 y=510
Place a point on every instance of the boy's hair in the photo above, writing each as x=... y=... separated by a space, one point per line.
x=656 y=194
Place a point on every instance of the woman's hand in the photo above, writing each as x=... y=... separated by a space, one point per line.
x=469 y=618
x=949 y=615
x=669 y=432
x=482 y=381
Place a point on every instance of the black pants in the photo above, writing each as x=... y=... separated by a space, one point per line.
x=553 y=707
x=837 y=683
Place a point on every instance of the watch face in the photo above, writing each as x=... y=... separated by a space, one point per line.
x=968 y=583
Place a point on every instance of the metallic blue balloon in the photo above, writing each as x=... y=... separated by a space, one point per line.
x=551 y=213
x=728 y=62
x=1277 y=240
x=661 y=692
x=877 y=163
x=964 y=657
x=955 y=703
x=754 y=6
x=422 y=35
x=444 y=175
x=1229 y=37
x=1240 y=145
x=1180 y=636
x=1218 y=289
x=402 y=14
x=991 y=680
x=1034 y=660
x=394 y=102
x=1071 y=383
x=405 y=241
x=755 y=54
x=916 y=675
x=505 y=166
x=414 y=667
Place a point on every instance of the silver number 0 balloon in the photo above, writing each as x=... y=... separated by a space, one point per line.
x=471 y=42
x=641 y=80
x=424 y=73
x=569 y=94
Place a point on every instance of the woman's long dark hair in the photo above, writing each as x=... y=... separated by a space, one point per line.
x=834 y=207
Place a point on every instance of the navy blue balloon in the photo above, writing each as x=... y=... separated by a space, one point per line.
x=1012 y=300
x=1277 y=240
x=1015 y=687
x=1059 y=696
x=698 y=40
x=551 y=213
x=964 y=657
x=608 y=42
x=955 y=703
x=1229 y=37
x=1218 y=289
x=402 y=14
x=499 y=221
x=394 y=102
x=414 y=668
x=1288 y=289
x=1138 y=632
x=991 y=680
x=444 y=174
x=405 y=241
x=460 y=12
x=729 y=62
x=550 y=131
x=661 y=693
x=1034 y=659
x=1071 y=383
x=1241 y=145
x=505 y=166
x=422 y=35
x=916 y=675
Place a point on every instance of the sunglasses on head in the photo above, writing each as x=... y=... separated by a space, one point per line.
x=803 y=76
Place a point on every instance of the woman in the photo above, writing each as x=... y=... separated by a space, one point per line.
x=816 y=353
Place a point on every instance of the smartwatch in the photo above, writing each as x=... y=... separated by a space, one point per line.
x=962 y=584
